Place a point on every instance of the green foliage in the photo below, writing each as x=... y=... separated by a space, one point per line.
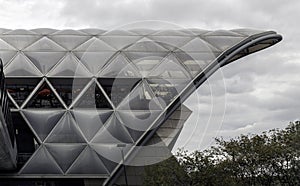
x=270 y=158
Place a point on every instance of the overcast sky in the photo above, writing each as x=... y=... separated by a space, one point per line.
x=256 y=93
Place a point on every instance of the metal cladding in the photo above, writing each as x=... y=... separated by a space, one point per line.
x=82 y=92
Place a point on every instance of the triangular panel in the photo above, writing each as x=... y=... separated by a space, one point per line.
x=94 y=61
x=65 y=154
x=44 y=98
x=44 y=61
x=41 y=163
x=69 y=41
x=43 y=121
x=5 y=46
x=93 y=97
x=118 y=88
x=20 y=41
x=45 y=44
x=95 y=118
x=88 y=162
x=198 y=45
x=141 y=98
x=171 y=42
x=119 y=42
x=69 y=67
x=6 y=56
x=112 y=133
x=146 y=45
x=21 y=66
x=66 y=131
x=223 y=42
x=94 y=45
x=119 y=67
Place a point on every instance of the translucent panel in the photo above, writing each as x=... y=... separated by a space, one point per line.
x=20 y=32
x=66 y=131
x=65 y=154
x=20 y=88
x=93 y=98
x=169 y=68
x=41 y=163
x=142 y=31
x=110 y=154
x=146 y=44
x=6 y=56
x=43 y=31
x=92 y=31
x=119 y=33
x=167 y=89
x=44 y=98
x=171 y=42
x=194 y=31
x=69 y=67
x=46 y=45
x=5 y=46
x=43 y=121
x=196 y=62
x=247 y=32
x=223 y=42
x=68 y=88
x=20 y=41
x=112 y=133
x=170 y=33
x=69 y=41
x=139 y=120
x=140 y=98
x=44 y=61
x=21 y=66
x=68 y=32
x=88 y=162
x=223 y=33
x=94 y=61
x=118 y=88
x=120 y=42
x=135 y=134
x=95 y=118
x=198 y=45
x=94 y=45
x=119 y=67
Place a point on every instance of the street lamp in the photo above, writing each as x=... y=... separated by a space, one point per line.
x=122 y=145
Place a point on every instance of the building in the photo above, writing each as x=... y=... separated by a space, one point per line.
x=82 y=103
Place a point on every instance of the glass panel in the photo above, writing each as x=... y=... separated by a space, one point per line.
x=118 y=88
x=20 y=88
x=25 y=137
x=120 y=42
x=96 y=119
x=69 y=41
x=167 y=89
x=44 y=61
x=68 y=88
x=65 y=154
x=119 y=67
x=223 y=33
x=88 y=162
x=140 y=98
x=21 y=66
x=196 y=62
x=94 y=45
x=44 y=98
x=5 y=46
x=66 y=131
x=170 y=68
x=94 y=61
x=113 y=133
x=41 y=163
x=46 y=45
x=43 y=121
x=223 y=42
x=69 y=67
x=93 y=98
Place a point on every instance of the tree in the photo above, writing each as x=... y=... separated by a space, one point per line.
x=270 y=158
